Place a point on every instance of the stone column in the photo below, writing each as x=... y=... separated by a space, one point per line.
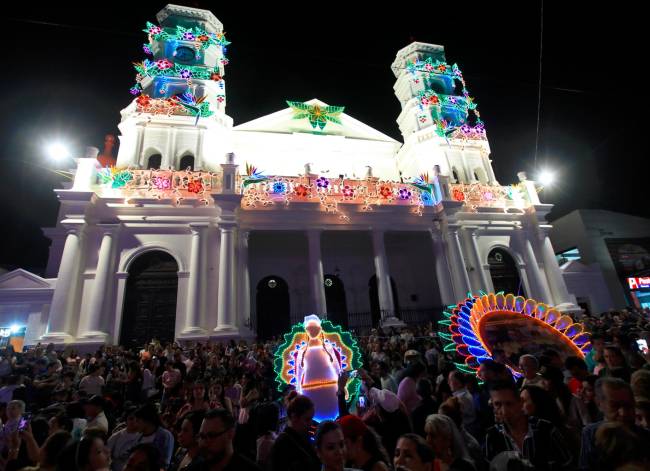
x=244 y=306
x=91 y=324
x=58 y=328
x=384 y=287
x=554 y=273
x=443 y=274
x=226 y=304
x=539 y=287
x=195 y=283
x=485 y=285
x=458 y=267
x=316 y=277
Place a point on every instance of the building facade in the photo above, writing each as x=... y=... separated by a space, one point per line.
x=208 y=230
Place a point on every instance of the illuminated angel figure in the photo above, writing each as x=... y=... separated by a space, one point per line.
x=312 y=357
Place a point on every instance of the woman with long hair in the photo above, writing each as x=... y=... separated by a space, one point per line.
x=330 y=446
x=197 y=401
x=188 y=440
x=447 y=444
x=364 y=448
x=217 y=397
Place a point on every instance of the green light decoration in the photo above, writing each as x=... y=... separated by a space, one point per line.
x=202 y=38
x=164 y=68
x=115 y=177
x=317 y=115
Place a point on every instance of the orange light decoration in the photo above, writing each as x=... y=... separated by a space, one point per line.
x=466 y=324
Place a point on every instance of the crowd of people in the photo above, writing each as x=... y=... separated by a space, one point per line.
x=216 y=406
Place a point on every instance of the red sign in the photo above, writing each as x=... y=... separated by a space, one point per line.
x=639 y=282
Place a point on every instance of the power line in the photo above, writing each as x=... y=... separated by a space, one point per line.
x=539 y=88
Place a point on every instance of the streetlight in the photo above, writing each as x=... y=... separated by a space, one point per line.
x=546 y=177
x=58 y=151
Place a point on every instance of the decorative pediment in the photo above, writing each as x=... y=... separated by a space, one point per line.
x=22 y=279
x=336 y=123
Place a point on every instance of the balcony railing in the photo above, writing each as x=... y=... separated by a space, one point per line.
x=479 y=195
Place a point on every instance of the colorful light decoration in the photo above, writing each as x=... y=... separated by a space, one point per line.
x=460 y=106
x=464 y=326
x=317 y=115
x=475 y=195
x=311 y=359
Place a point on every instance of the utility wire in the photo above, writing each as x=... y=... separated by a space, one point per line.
x=539 y=87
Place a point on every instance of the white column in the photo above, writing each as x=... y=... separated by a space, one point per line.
x=316 y=277
x=244 y=305
x=168 y=158
x=442 y=269
x=554 y=274
x=458 y=267
x=91 y=323
x=193 y=305
x=226 y=303
x=534 y=274
x=485 y=286
x=384 y=288
x=65 y=291
x=139 y=141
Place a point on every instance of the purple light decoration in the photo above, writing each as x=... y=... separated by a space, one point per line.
x=187 y=36
x=135 y=91
x=147 y=49
x=404 y=194
x=322 y=182
x=185 y=74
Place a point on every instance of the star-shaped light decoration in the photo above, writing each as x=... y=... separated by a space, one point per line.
x=317 y=115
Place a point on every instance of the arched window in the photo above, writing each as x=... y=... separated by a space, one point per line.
x=187 y=161
x=337 y=310
x=504 y=272
x=150 y=300
x=272 y=307
x=154 y=161
x=454 y=174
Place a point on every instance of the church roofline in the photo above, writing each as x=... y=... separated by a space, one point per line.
x=189 y=12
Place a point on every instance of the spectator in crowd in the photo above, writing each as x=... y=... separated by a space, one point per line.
x=536 y=440
x=120 y=443
x=95 y=416
x=92 y=384
x=363 y=446
x=412 y=453
x=447 y=443
x=149 y=425
x=330 y=446
x=529 y=366
x=292 y=450
x=188 y=440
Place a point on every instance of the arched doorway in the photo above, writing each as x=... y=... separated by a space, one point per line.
x=375 y=310
x=337 y=308
x=272 y=307
x=187 y=161
x=504 y=273
x=154 y=161
x=150 y=301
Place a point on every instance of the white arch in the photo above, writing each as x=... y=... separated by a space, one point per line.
x=515 y=256
x=128 y=258
x=144 y=156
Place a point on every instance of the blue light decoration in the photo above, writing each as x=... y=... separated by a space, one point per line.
x=464 y=325
x=279 y=188
x=430 y=193
x=311 y=359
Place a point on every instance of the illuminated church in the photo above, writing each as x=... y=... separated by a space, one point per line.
x=203 y=229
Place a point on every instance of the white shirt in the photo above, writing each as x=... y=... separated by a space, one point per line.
x=99 y=421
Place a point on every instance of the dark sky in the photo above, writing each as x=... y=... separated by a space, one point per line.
x=67 y=73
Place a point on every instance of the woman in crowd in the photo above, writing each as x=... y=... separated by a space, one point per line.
x=452 y=409
x=447 y=444
x=330 y=446
x=363 y=445
x=412 y=453
x=188 y=440
x=197 y=401
x=217 y=397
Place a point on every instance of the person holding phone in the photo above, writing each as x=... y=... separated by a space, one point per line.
x=15 y=412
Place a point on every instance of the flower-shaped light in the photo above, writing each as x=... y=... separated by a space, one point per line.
x=195 y=186
x=301 y=191
x=162 y=183
x=348 y=191
x=322 y=182
x=385 y=191
x=163 y=64
x=426 y=198
x=279 y=188
x=465 y=326
x=458 y=195
x=404 y=194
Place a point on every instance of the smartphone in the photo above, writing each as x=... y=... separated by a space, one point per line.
x=22 y=425
x=353 y=374
x=362 y=401
x=643 y=345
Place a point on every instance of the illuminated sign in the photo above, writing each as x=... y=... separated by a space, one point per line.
x=5 y=332
x=639 y=282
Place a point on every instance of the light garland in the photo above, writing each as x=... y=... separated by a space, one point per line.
x=479 y=195
x=464 y=326
x=174 y=185
x=311 y=361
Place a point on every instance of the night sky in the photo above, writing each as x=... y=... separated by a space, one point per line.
x=67 y=73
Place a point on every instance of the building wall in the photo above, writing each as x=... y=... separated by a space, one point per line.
x=587 y=230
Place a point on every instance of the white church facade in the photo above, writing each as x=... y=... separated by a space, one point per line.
x=206 y=230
